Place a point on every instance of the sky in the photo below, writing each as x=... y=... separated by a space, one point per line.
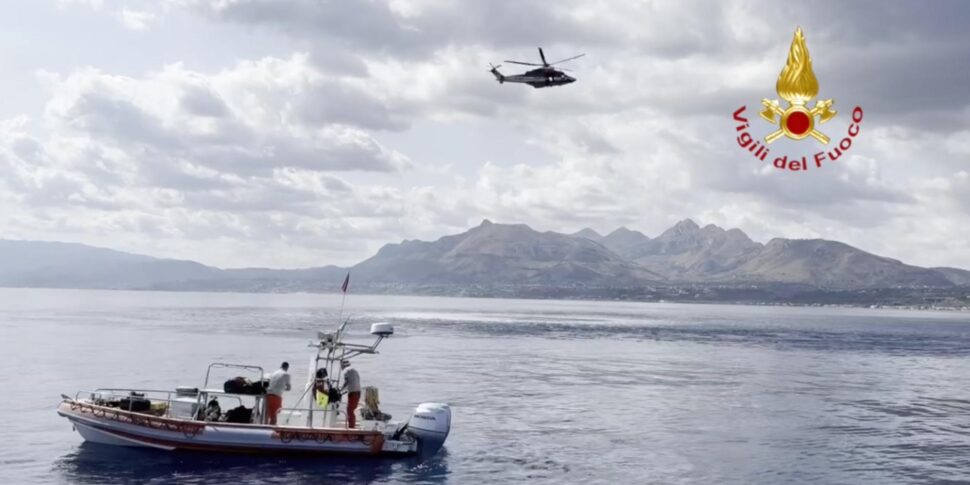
x=296 y=133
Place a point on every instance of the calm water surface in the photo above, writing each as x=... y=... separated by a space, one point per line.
x=542 y=391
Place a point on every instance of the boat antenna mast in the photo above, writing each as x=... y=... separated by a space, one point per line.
x=337 y=350
x=340 y=330
x=330 y=342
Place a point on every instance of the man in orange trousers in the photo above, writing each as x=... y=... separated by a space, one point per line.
x=279 y=382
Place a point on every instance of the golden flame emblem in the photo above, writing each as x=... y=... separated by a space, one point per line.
x=797 y=85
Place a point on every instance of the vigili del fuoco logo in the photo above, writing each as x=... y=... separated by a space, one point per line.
x=797 y=85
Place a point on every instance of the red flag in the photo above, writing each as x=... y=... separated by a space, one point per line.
x=343 y=287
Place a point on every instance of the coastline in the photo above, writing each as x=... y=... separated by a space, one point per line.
x=543 y=293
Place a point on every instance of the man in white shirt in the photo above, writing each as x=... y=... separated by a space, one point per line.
x=279 y=382
x=352 y=386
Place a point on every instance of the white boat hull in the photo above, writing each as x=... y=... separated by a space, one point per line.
x=112 y=426
x=95 y=435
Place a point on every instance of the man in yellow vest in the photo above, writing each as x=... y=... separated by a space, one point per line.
x=321 y=388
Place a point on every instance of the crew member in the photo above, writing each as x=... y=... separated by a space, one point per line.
x=279 y=382
x=352 y=387
x=321 y=388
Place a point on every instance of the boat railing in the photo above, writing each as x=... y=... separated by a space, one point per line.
x=154 y=396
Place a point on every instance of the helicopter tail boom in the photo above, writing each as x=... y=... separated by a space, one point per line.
x=498 y=76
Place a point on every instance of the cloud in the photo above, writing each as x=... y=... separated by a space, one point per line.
x=191 y=155
x=216 y=121
x=135 y=19
x=335 y=127
x=414 y=30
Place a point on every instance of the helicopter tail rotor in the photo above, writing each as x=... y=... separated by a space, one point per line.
x=498 y=76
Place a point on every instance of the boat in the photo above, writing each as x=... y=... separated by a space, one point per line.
x=191 y=418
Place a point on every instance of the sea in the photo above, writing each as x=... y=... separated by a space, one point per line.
x=541 y=391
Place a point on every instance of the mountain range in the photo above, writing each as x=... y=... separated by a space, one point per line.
x=512 y=258
x=689 y=253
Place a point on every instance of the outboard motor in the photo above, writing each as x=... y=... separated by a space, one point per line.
x=430 y=424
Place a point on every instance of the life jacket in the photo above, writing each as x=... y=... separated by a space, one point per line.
x=322 y=399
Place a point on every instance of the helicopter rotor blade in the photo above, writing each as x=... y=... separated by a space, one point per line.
x=523 y=63
x=568 y=59
x=543 y=56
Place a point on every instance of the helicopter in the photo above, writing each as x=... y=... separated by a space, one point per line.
x=543 y=77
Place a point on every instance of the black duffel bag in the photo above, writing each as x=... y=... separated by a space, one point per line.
x=257 y=387
x=241 y=385
x=236 y=385
x=135 y=402
x=240 y=414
